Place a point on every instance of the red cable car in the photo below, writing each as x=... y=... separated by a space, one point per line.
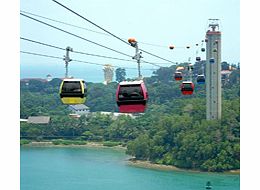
x=178 y=75
x=187 y=87
x=131 y=97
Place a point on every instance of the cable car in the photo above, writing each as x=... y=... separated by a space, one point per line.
x=187 y=87
x=201 y=79
x=73 y=91
x=171 y=47
x=212 y=60
x=179 y=68
x=131 y=96
x=198 y=58
x=178 y=75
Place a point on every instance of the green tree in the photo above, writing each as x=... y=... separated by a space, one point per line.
x=120 y=74
x=140 y=147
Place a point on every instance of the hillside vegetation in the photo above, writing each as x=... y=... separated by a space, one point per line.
x=172 y=131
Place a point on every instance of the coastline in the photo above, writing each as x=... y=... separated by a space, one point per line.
x=149 y=165
x=87 y=145
x=131 y=162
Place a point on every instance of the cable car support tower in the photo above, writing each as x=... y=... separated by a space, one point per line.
x=137 y=56
x=67 y=60
x=213 y=70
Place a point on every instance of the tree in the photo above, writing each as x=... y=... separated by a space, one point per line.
x=224 y=65
x=140 y=147
x=164 y=74
x=120 y=74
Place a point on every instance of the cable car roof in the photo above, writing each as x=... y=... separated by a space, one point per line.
x=131 y=82
x=72 y=79
x=180 y=68
x=187 y=82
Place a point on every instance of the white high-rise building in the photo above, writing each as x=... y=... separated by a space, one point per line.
x=108 y=73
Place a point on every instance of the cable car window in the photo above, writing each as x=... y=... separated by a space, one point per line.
x=84 y=85
x=71 y=86
x=129 y=92
x=187 y=86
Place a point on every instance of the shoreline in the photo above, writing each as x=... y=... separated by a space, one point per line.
x=162 y=167
x=131 y=161
x=87 y=145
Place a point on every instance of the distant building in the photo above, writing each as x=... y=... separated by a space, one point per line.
x=79 y=109
x=48 y=77
x=27 y=80
x=73 y=115
x=39 y=119
x=115 y=115
x=108 y=73
x=225 y=76
x=225 y=73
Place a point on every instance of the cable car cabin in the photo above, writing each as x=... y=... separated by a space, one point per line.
x=198 y=58
x=187 y=87
x=73 y=91
x=131 y=97
x=178 y=75
x=212 y=60
x=201 y=79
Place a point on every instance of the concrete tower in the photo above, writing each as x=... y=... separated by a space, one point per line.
x=213 y=69
x=108 y=73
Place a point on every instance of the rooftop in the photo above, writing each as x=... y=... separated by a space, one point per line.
x=39 y=119
x=37 y=79
x=79 y=107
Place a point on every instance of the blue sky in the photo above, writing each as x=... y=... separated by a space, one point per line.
x=164 y=22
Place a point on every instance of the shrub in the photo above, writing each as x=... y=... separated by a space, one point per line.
x=111 y=143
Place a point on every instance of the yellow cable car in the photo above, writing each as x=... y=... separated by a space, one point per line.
x=73 y=91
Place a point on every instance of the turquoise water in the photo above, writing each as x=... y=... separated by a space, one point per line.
x=66 y=168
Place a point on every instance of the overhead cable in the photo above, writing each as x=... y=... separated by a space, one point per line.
x=106 y=30
x=75 y=35
x=65 y=23
x=26 y=39
x=102 y=56
x=75 y=60
x=157 y=56
x=41 y=43
x=90 y=22
x=102 y=33
x=42 y=55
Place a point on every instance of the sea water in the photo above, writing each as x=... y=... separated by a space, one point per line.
x=69 y=168
x=88 y=73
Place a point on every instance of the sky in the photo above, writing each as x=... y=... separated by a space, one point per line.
x=154 y=24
